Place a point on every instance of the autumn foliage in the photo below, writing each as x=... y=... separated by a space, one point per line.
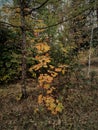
x=48 y=73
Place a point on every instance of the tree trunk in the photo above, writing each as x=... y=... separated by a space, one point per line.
x=23 y=34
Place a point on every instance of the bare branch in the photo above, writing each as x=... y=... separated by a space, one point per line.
x=34 y=9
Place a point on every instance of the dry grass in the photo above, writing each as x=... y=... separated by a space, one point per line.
x=80 y=110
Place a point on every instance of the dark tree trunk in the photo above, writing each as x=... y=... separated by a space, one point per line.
x=23 y=34
x=97 y=14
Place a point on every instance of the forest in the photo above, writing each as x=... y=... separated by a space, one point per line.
x=48 y=65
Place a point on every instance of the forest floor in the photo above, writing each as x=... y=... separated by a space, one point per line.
x=80 y=109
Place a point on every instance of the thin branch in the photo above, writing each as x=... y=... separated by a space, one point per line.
x=9 y=24
x=34 y=9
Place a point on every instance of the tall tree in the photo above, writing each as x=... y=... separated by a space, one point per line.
x=23 y=33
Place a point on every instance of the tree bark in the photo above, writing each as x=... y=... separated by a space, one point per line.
x=24 y=52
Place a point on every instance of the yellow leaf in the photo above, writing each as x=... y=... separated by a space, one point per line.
x=51 y=66
x=18 y=97
x=36 y=110
x=58 y=69
x=59 y=107
x=54 y=112
x=34 y=75
x=46 y=86
x=49 y=91
x=40 y=99
x=42 y=47
x=54 y=74
x=49 y=99
x=37 y=67
x=63 y=71
x=52 y=106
